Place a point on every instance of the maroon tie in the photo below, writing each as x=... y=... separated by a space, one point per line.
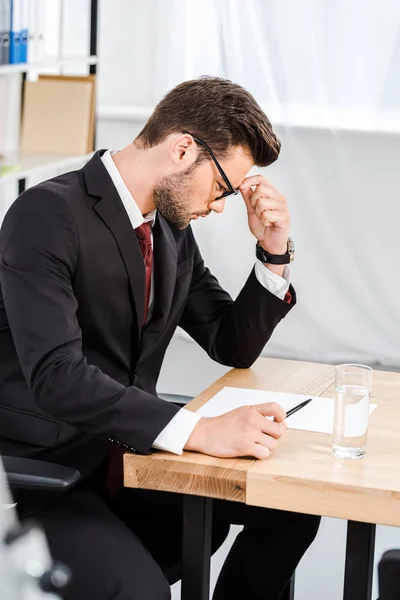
x=143 y=234
x=115 y=475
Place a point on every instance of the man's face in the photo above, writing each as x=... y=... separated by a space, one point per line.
x=194 y=193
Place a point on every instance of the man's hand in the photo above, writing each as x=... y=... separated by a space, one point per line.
x=241 y=432
x=268 y=215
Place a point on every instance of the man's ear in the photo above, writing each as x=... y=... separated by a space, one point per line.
x=183 y=150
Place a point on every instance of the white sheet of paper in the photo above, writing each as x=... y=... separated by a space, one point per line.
x=316 y=416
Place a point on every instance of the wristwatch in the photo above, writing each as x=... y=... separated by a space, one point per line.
x=276 y=259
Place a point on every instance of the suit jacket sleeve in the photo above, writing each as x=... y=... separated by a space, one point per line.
x=233 y=333
x=39 y=251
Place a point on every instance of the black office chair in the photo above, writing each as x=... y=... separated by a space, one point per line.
x=178 y=399
x=37 y=475
x=389 y=575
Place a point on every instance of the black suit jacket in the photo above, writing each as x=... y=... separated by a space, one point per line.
x=77 y=369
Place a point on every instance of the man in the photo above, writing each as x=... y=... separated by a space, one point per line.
x=88 y=310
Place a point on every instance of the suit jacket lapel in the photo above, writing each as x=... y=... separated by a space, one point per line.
x=114 y=216
x=112 y=212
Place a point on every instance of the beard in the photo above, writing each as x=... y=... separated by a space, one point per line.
x=171 y=197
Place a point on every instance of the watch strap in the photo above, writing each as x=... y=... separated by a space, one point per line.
x=275 y=259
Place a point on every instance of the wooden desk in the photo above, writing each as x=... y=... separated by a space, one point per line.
x=301 y=475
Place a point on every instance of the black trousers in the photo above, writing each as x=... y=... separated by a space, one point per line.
x=130 y=549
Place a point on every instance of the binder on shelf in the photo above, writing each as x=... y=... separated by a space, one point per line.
x=32 y=28
x=58 y=115
x=15 y=32
x=24 y=33
x=5 y=23
x=2 y=29
x=36 y=15
x=52 y=28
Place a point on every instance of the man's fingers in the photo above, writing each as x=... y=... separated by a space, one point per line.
x=265 y=193
x=267 y=441
x=265 y=203
x=247 y=194
x=255 y=180
x=260 y=451
x=273 y=428
x=272 y=217
x=271 y=409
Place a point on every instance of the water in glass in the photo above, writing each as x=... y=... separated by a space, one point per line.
x=351 y=421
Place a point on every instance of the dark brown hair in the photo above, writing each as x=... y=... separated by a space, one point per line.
x=218 y=111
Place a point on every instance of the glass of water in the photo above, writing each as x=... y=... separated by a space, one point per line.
x=352 y=397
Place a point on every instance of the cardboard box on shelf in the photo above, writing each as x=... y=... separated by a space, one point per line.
x=58 y=115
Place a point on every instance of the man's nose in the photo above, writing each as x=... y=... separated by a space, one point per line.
x=218 y=205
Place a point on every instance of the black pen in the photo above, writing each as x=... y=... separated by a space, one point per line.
x=298 y=407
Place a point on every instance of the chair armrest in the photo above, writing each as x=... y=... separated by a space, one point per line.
x=177 y=399
x=389 y=575
x=32 y=474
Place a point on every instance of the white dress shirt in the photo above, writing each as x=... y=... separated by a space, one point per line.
x=175 y=435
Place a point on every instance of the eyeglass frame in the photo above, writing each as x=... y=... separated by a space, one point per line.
x=231 y=190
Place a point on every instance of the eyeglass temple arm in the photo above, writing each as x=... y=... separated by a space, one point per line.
x=211 y=153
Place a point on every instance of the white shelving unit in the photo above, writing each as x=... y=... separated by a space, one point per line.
x=32 y=164
x=57 y=63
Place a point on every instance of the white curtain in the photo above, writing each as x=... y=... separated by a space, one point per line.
x=328 y=76
x=186 y=42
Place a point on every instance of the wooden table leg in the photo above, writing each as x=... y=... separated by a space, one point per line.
x=360 y=549
x=196 y=555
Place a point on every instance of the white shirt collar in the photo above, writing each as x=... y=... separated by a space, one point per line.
x=134 y=214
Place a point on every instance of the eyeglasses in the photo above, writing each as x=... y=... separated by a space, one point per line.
x=231 y=190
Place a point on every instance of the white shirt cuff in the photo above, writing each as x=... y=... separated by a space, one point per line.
x=271 y=281
x=175 y=435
